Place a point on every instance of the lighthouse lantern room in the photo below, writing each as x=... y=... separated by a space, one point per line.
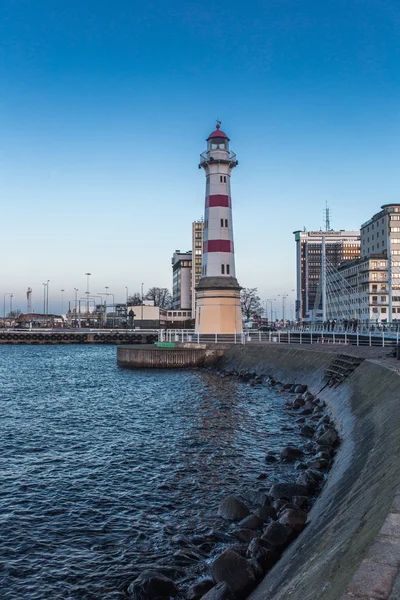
x=218 y=307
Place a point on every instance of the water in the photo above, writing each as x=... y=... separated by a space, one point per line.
x=101 y=466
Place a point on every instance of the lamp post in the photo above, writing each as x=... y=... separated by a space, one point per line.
x=47 y=297
x=141 y=318
x=76 y=302
x=4 y=307
x=107 y=293
x=126 y=296
x=271 y=300
x=87 y=292
x=62 y=301
x=44 y=299
x=11 y=297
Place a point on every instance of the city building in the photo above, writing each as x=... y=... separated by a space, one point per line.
x=182 y=280
x=197 y=258
x=153 y=317
x=218 y=308
x=369 y=288
x=339 y=246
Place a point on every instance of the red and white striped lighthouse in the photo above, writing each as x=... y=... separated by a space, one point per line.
x=218 y=292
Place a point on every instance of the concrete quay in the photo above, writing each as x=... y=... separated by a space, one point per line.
x=350 y=547
x=177 y=357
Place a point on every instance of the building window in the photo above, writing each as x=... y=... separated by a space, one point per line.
x=223 y=269
x=226 y=222
x=383 y=310
x=227 y=269
x=383 y=298
x=222 y=222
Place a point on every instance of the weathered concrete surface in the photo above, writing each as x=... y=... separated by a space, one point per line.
x=187 y=355
x=327 y=558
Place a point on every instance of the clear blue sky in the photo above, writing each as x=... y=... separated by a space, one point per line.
x=105 y=107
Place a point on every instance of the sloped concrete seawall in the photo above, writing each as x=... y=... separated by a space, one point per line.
x=326 y=559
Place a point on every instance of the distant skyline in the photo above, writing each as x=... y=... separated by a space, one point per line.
x=104 y=110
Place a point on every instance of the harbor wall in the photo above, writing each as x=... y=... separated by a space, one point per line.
x=178 y=357
x=327 y=557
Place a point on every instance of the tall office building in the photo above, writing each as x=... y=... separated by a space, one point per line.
x=339 y=246
x=182 y=280
x=197 y=259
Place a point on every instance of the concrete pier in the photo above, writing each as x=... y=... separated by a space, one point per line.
x=178 y=357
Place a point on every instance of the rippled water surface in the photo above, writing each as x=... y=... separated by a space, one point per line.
x=101 y=466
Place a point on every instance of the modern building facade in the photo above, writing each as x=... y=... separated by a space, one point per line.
x=339 y=246
x=197 y=258
x=182 y=280
x=369 y=288
x=218 y=308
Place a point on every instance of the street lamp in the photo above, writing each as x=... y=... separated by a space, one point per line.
x=87 y=291
x=47 y=297
x=76 y=302
x=44 y=299
x=283 y=296
x=126 y=296
x=62 y=301
x=4 y=307
x=11 y=297
x=271 y=300
x=142 y=308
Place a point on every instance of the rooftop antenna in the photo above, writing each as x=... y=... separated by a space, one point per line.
x=219 y=123
x=327 y=218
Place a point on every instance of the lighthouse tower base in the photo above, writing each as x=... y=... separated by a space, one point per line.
x=218 y=307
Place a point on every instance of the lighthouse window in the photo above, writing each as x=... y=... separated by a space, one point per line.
x=223 y=269
x=227 y=269
x=222 y=222
x=221 y=178
x=224 y=178
x=226 y=222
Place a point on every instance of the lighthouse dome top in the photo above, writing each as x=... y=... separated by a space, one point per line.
x=218 y=133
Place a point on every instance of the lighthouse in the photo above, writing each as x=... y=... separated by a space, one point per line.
x=218 y=307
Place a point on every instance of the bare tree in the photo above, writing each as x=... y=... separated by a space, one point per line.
x=160 y=296
x=135 y=300
x=14 y=314
x=251 y=303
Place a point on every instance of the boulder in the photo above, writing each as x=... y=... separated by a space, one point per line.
x=329 y=438
x=199 y=588
x=287 y=490
x=151 y=585
x=300 y=466
x=308 y=408
x=307 y=480
x=301 y=502
x=307 y=431
x=265 y=557
x=277 y=535
x=298 y=403
x=245 y=535
x=234 y=570
x=285 y=506
x=256 y=497
x=300 y=389
x=320 y=464
x=220 y=591
x=233 y=509
x=251 y=522
x=270 y=457
x=266 y=513
x=291 y=453
x=294 y=518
